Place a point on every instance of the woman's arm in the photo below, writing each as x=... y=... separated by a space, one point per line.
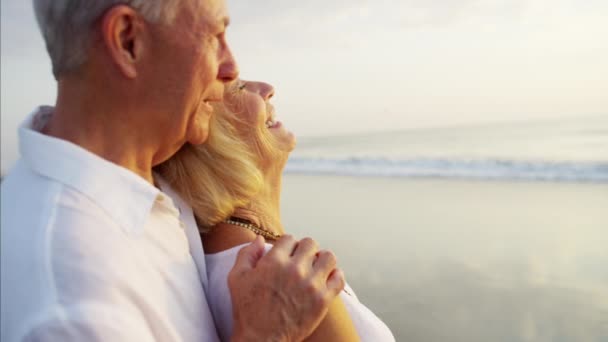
x=336 y=326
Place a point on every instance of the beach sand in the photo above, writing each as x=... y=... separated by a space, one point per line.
x=452 y=260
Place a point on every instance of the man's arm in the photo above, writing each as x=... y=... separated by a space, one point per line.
x=94 y=322
x=283 y=295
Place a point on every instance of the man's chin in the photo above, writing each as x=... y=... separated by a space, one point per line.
x=199 y=139
x=198 y=132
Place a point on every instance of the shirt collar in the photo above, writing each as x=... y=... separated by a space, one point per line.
x=125 y=196
x=194 y=238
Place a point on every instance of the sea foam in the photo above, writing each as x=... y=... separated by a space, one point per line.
x=481 y=169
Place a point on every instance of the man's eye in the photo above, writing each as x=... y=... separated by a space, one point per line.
x=242 y=86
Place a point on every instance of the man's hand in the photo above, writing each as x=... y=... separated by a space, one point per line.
x=283 y=295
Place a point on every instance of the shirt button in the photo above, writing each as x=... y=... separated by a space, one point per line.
x=160 y=198
x=181 y=224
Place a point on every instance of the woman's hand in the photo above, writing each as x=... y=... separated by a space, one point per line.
x=283 y=295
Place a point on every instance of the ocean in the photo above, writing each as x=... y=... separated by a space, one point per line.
x=566 y=150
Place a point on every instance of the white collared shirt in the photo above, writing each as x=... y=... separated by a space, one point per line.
x=92 y=252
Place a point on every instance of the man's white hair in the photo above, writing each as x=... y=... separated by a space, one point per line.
x=66 y=25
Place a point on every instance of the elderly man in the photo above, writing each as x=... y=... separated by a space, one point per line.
x=92 y=249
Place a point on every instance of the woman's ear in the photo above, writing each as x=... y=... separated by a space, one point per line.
x=122 y=30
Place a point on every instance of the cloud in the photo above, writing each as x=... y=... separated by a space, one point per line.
x=302 y=23
x=436 y=13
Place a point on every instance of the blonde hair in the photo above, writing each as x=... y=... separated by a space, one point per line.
x=217 y=177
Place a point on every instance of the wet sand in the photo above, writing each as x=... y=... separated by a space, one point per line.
x=455 y=260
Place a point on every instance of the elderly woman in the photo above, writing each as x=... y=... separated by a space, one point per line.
x=233 y=184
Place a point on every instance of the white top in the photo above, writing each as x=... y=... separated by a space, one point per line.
x=92 y=252
x=369 y=327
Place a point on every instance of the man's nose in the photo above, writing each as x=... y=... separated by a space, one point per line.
x=229 y=69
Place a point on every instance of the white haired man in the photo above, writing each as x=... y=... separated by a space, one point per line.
x=91 y=249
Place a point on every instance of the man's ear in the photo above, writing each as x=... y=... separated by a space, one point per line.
x=122 y=29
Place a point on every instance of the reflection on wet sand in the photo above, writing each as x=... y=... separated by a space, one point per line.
x=449 y=260
x=454 y=302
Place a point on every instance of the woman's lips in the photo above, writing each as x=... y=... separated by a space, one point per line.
x=271 y=124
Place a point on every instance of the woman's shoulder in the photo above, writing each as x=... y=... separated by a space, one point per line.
x=368 y=325
x=224 y=237
x=220 y=263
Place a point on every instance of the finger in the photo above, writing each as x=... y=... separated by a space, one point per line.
x=336 y=282
x=249 y=255
x=325 y=264
x=283 y=247
x=306 y=248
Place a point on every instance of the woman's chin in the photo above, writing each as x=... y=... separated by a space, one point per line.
x=290 y=142
x=286 y=139
x=292 y=145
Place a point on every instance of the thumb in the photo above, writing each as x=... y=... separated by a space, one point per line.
x=249 y=255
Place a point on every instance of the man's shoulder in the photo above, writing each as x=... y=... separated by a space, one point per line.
x=22 y=182
x=53 y=231
x=57 y=247
x=45 y=219
x=29 y=198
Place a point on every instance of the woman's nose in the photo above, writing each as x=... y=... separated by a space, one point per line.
x=267 y=91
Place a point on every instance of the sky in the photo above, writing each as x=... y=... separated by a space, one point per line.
x=343 y=66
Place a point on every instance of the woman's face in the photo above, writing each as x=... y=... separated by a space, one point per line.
x=257 y=120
